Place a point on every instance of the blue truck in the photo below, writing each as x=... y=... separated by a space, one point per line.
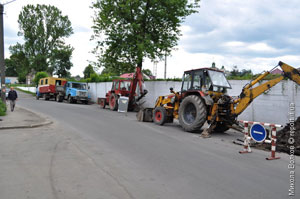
x=73 y=92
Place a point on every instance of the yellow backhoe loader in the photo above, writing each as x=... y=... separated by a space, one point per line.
x=203 y=98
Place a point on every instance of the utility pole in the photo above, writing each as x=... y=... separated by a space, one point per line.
x=2 y=65
x=165 y=75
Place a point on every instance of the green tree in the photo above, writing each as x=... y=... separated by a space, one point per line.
x=18 y=62
x=10 y=68
x=38 y=76
x=135 y=30
x=147 y=72
x=88 y=71
x=235 y=71
x=61 y=62
x=44 y=29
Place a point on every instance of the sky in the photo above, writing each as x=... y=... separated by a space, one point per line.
x=254 y=35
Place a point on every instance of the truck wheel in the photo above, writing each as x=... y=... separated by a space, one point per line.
x=159 y=115
x=102 y=103
x=192 y=113
x=113 y=102
x=47 y=97
x=221 y=127
x=59 y=98
x=70 y=99
x=84 y=101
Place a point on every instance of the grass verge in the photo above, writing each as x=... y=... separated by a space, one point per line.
x=2 y=108
x=28 y=92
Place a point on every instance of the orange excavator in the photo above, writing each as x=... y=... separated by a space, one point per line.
x=131 y=88
x=203 y=98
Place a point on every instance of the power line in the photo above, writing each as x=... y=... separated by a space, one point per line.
x=8 y=2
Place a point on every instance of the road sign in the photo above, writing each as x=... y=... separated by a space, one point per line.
x=258 y=132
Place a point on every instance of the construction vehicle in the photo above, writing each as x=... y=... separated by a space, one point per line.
x=47 y=87
x=131 y=88
x=203 y=99
x=73 y=92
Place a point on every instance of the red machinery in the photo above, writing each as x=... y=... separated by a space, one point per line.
x=131 y=88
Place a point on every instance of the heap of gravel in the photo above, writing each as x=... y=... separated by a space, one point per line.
x=284 y=135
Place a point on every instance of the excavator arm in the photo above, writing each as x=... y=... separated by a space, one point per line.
x=249 y=93
x=137 y=82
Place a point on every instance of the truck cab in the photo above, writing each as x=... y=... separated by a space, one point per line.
x=73 y=92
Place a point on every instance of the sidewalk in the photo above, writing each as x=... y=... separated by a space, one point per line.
x=22 y=118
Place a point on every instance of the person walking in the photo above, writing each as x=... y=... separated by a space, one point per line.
x=12 y=97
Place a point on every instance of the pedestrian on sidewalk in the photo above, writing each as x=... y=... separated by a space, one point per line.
x=12 y=97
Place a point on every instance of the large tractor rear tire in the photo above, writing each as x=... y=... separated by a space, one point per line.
x=113 y=102
x=159 y=115
x=192 y=113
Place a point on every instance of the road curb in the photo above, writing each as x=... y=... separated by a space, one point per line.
x=47 y=122
x=27 y=126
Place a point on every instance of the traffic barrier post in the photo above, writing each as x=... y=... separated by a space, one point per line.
x=272 y=137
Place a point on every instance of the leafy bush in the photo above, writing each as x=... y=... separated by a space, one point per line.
x=99 y=78
x=2 y=108
x=38 y=76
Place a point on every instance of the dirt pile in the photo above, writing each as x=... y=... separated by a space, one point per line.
x=284 y=135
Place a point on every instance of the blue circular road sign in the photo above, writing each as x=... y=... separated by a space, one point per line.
x=258 y=132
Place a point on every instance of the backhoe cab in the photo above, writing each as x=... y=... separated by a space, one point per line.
x=203 y=98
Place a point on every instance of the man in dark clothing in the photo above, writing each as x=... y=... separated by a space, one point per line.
x=12 y=96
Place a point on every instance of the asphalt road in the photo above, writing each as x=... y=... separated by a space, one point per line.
x=105 y=154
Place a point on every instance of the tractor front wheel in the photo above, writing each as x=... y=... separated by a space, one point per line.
x=113 y=102
x=159 y=115
x=192 y=113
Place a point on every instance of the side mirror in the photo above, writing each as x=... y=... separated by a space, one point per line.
x=89 y=87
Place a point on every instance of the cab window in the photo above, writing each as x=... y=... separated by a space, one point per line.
x=58 y=82
x=46 y=81
x=115 y=85
x=186 y=82
x=42 y=82
x=197 y=80
x=125 y=85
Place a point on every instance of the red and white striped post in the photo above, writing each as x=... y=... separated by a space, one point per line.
x=247 y=148
x=273 y=140
x=273 y=145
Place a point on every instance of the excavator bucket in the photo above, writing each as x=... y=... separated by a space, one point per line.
x=145 y=115
x=290 y=72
